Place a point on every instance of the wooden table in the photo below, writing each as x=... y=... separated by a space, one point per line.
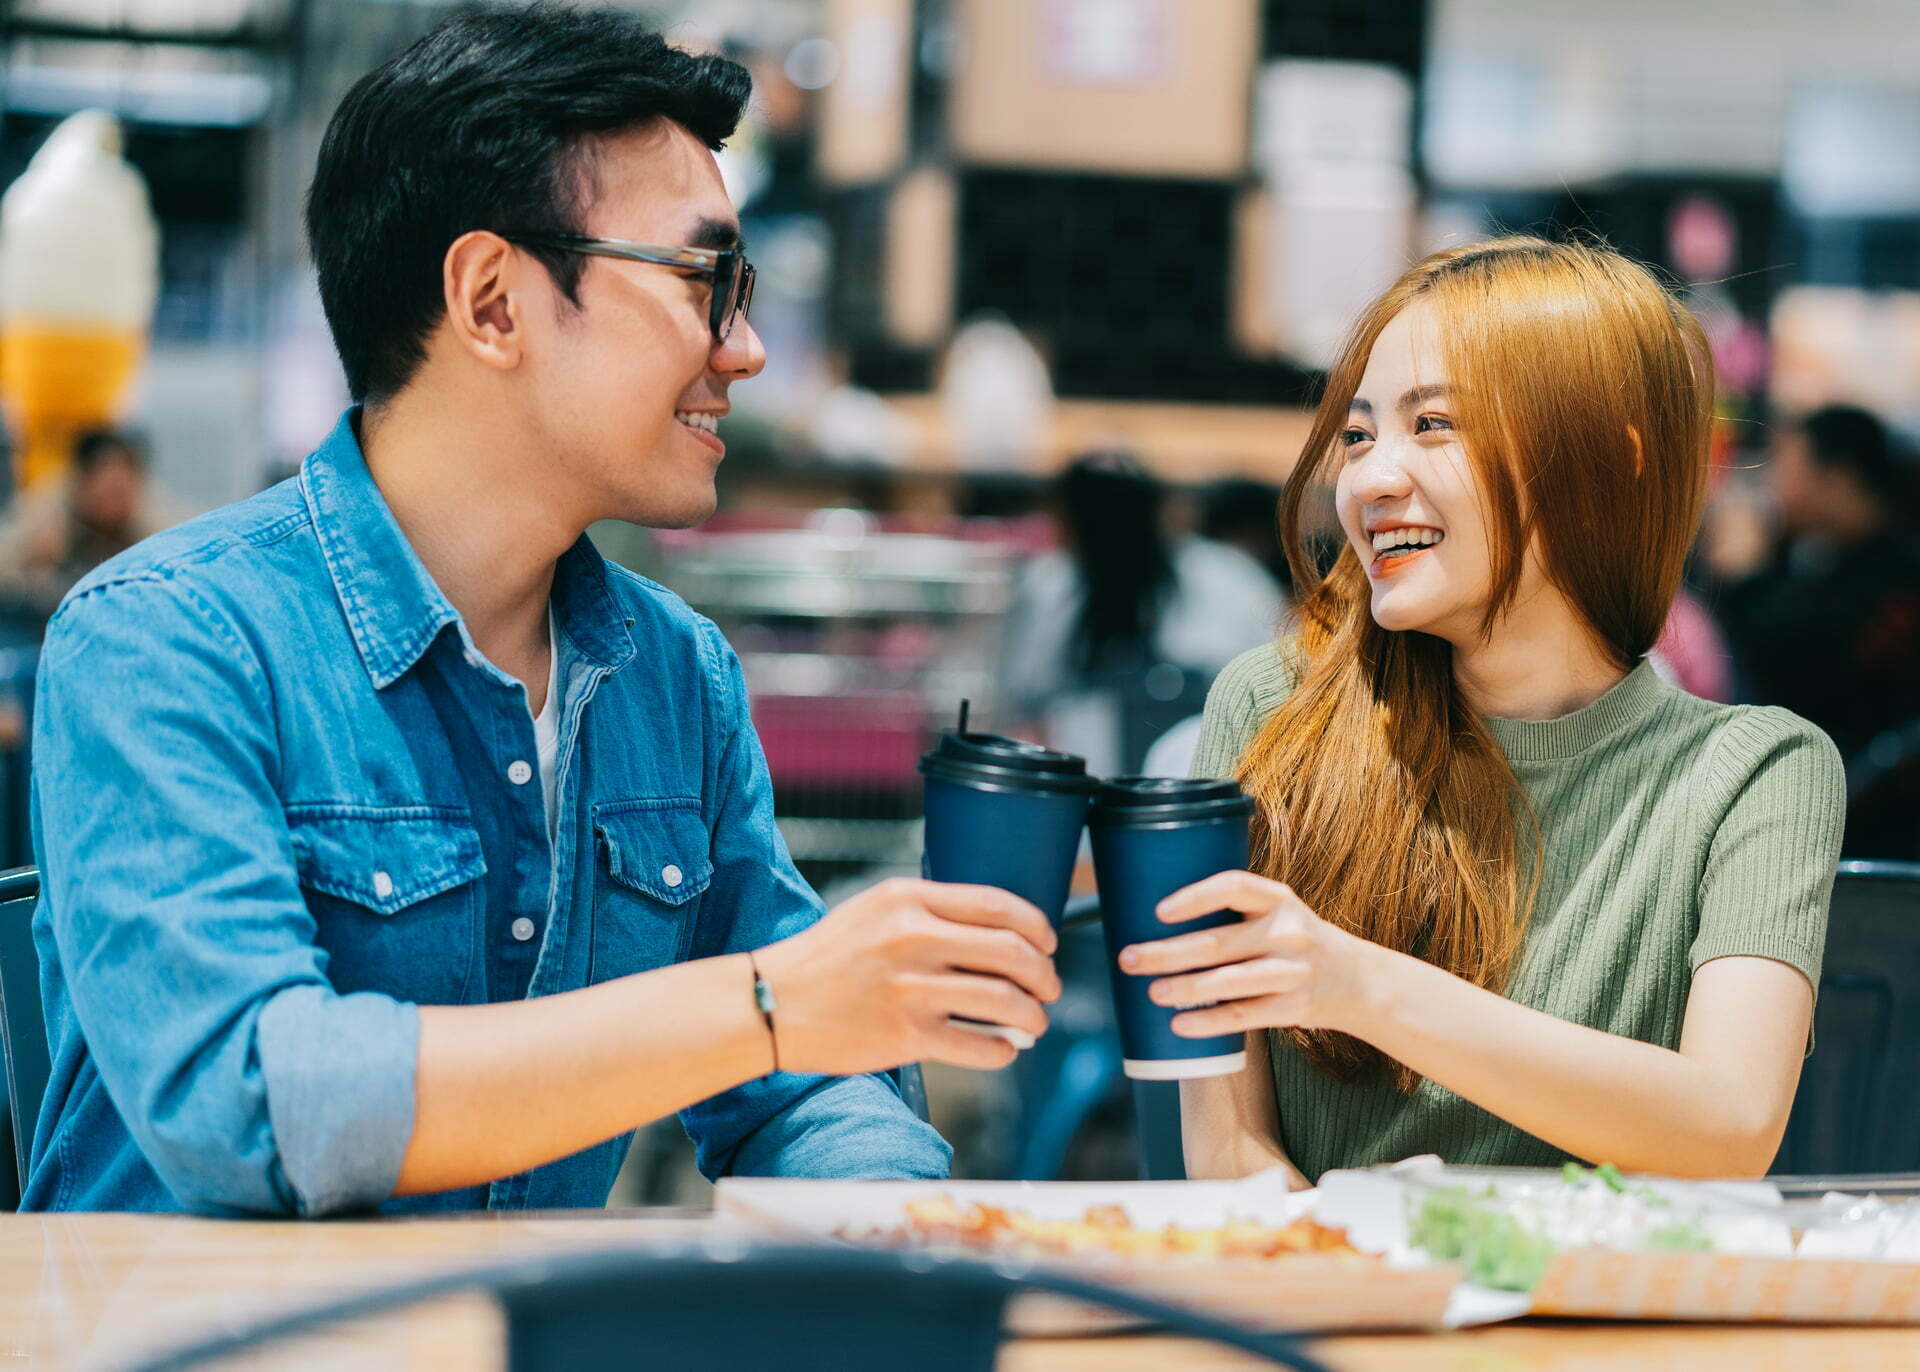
x=99 y=1290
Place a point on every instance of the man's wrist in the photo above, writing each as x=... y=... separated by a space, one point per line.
x=766 y=1002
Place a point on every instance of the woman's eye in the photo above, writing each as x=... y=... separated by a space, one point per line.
x=1349 y=437
x=1427 y=423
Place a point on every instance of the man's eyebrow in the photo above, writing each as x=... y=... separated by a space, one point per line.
x=1421 y=394
x=716 y=233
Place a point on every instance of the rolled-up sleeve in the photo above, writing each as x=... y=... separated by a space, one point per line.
x=172 y=895
x=786 y=1124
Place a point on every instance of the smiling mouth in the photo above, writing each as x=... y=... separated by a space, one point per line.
x=1394 y=548
x=704 y=425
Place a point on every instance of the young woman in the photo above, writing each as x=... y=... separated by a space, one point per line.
x=1515 y=899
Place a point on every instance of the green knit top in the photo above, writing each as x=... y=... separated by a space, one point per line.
x=1673 y=831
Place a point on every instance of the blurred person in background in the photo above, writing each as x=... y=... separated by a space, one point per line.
x=1822 y=608
x=1114 y=638
x=1245 y=514
x=101 y=507
x=401 y=852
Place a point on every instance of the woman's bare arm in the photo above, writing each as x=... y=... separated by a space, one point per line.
x=1230 y=1126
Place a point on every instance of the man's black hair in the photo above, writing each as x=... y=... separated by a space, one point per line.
x=480 y=125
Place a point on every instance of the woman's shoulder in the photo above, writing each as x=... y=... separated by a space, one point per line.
x=1248 y=689
x=1258 y=681
x=1745 y=754
x=1751 y=740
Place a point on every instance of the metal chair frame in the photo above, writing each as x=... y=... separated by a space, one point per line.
x=587 y=1310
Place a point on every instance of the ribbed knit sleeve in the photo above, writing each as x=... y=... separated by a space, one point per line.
x=1770 y=865
x=1247 y=690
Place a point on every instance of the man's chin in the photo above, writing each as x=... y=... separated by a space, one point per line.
x=685 y=513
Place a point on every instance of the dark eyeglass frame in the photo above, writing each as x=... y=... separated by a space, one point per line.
x=731 y=273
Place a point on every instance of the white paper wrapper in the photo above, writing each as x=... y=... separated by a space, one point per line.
x=1856 y=1261
x=1306 y=1292
x=1860 y=1227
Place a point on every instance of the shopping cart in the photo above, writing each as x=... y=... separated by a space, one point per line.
x=858 y=639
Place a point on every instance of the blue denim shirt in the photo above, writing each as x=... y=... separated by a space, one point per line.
x=280 y=801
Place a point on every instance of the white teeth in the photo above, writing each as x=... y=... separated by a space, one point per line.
x=709 y=422
x=1409 y=538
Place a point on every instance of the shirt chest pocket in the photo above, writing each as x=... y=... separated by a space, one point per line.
x=395 y=895
x=652 y=862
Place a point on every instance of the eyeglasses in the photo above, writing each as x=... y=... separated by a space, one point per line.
x=731 y=273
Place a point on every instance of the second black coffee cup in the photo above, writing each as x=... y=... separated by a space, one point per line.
x=1151 y=837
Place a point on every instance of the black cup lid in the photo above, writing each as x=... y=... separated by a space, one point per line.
x=993 y=759
x=1167 y=800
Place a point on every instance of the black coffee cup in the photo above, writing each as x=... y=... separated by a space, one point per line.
x=1151 y=837
x=1008 y=813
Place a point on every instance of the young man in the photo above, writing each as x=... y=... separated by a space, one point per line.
x=398 y=850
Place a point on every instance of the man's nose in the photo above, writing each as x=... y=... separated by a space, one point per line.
x=740 y=355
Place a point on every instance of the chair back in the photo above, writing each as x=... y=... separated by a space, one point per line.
x=23 y=1031
x=1856 y=1110
x=1883 y=797
x=797 y=1309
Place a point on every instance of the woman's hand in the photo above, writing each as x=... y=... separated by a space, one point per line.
x=1282 y=966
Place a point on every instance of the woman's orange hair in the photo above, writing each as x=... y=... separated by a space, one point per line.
x=1583 y=394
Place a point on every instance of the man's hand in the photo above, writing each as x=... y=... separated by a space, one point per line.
x=871 y=986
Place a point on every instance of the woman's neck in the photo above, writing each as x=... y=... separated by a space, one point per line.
x=1541 y=662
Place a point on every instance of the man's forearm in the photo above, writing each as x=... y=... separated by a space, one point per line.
x=503 y=1088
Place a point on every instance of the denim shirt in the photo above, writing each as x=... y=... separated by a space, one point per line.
x=280 y=801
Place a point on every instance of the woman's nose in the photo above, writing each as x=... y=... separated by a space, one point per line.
x=1379 y=477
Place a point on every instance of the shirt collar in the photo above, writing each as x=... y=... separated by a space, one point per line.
x=392 y=605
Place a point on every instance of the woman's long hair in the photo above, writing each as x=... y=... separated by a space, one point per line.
x=1583 y=394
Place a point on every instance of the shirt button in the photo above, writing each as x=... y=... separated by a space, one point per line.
x=672 y=875
x=518 y=772
x=382 y=885
x=523 y=929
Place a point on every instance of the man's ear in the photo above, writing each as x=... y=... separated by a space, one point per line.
x=486 y=317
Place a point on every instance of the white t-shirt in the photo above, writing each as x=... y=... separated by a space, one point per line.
x=546 y=725
x=1222 y=603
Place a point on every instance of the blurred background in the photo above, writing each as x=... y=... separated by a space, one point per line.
x=1045 y=286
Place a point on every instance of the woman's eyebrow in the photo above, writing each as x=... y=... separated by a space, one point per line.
x=1420 y=395
x=1360 y=406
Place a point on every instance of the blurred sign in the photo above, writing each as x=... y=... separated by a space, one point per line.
x=1118 y=41
x=863 y=113
x=1143 y=87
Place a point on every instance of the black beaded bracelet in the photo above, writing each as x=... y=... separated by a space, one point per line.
x=763 y=998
